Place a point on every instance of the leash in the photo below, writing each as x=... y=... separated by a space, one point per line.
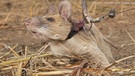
x=78 y=26
x=111 y=14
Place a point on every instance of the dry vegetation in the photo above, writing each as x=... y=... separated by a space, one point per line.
x=20 y=53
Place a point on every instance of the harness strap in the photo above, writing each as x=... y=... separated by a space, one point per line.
x=76 y=27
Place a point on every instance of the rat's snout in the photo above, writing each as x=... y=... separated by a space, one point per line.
x=28 y=21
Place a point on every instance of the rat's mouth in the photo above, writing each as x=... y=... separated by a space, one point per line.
x=35 y=33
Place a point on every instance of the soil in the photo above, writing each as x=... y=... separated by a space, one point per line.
x=13 y=31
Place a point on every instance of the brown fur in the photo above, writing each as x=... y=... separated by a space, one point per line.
x=87 y=44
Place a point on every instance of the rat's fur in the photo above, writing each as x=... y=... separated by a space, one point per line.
x=87 y=44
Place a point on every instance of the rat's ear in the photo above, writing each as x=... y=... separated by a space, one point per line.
x=52 y=9
x=65 y=9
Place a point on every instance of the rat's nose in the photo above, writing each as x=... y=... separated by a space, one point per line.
x=28 y=21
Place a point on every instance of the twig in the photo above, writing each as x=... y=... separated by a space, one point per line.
x=130 y=35
x=26 y=49
x=53 y=73
x=32 y=61
x=6 y=19
x=22 y=59
x=11 y=49
x=78 y=70
x=110 y=43
x=40 y=52
x=19 y=69
x=91 y=6
x=13 y=13
x=46 y=63
x=6 y=68
x=122 y=9
x=94 y=9
x=130 y=73
x=116 y=62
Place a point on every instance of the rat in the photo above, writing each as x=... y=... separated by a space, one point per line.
x=55 y=27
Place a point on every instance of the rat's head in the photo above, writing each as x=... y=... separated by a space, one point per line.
x=52 y=26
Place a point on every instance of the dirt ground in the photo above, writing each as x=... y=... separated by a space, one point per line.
x=13 y=31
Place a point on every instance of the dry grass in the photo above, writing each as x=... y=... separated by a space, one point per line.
x=43 y=63
x=38 y=64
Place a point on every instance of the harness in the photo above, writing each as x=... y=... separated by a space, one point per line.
x=76 y=27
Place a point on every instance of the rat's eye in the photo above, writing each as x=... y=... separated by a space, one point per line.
x=33 y=32
x=50 y=19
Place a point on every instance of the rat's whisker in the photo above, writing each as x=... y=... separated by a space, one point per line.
x=31 y=32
